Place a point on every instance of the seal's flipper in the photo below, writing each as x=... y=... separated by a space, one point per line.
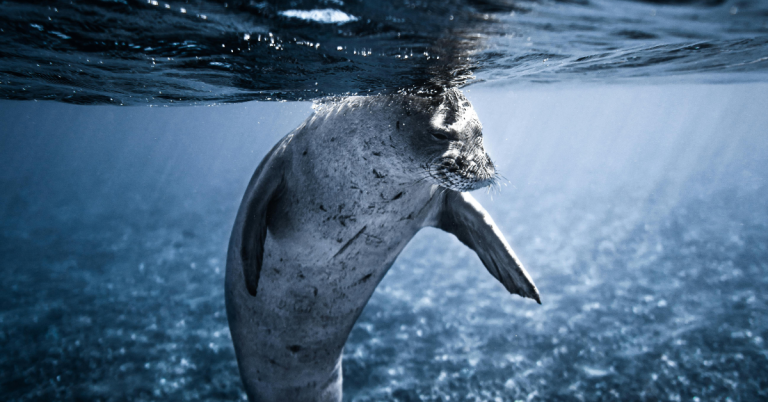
x=464 y=217
x=264 y=187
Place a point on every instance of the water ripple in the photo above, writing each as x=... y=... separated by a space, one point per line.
x=157 y=52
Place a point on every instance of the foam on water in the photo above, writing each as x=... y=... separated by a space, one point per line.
x=326 y=16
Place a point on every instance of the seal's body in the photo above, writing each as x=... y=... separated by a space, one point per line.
x=326 y=214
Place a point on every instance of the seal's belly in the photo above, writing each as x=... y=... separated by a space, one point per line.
x=321 y=264
x=311 y=284
x=299 y=320
x=325 y=285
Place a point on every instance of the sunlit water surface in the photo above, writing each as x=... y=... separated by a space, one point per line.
x=147 y=52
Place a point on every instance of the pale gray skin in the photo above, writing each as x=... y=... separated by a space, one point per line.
x=326 y=214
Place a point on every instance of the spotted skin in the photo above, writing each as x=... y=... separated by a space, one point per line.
x=324 y=217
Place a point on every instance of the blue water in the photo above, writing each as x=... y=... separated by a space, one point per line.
x=640 y=212
x=631 y=135
x=146 y=52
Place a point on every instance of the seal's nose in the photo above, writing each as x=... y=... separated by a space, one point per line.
x=461 y=163
x=489 y=163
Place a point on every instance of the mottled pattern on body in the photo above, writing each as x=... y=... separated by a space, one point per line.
x=326 y=214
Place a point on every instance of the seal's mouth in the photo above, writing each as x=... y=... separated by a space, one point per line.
x=462 y=174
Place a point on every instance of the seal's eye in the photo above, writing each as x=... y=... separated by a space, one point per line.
x=439 y=136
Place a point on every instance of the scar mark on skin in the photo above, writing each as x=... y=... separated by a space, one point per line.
x=370 y=236
x=294 y=348
x=347 y=244
x=363 y=280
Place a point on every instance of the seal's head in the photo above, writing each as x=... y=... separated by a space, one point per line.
x=451 y=145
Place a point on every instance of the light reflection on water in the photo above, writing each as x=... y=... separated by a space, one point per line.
x=152 y=53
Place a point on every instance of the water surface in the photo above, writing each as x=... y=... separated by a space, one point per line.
x=131 y=52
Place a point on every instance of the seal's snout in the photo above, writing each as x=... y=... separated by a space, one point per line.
x=462 y=164
x=468 y=170
x=481 y=171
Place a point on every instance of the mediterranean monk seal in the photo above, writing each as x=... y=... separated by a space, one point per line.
x=324 y=217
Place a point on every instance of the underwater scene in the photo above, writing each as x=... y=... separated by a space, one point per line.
x=630 y=140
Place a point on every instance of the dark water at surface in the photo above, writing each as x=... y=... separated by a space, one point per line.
x=162 y=52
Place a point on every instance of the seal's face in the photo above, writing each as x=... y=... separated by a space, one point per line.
x=455 y=156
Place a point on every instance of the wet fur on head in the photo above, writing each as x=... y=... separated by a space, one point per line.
x=440 y=136
x=454 y=142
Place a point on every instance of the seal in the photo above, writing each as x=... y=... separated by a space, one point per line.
x=324 y=217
